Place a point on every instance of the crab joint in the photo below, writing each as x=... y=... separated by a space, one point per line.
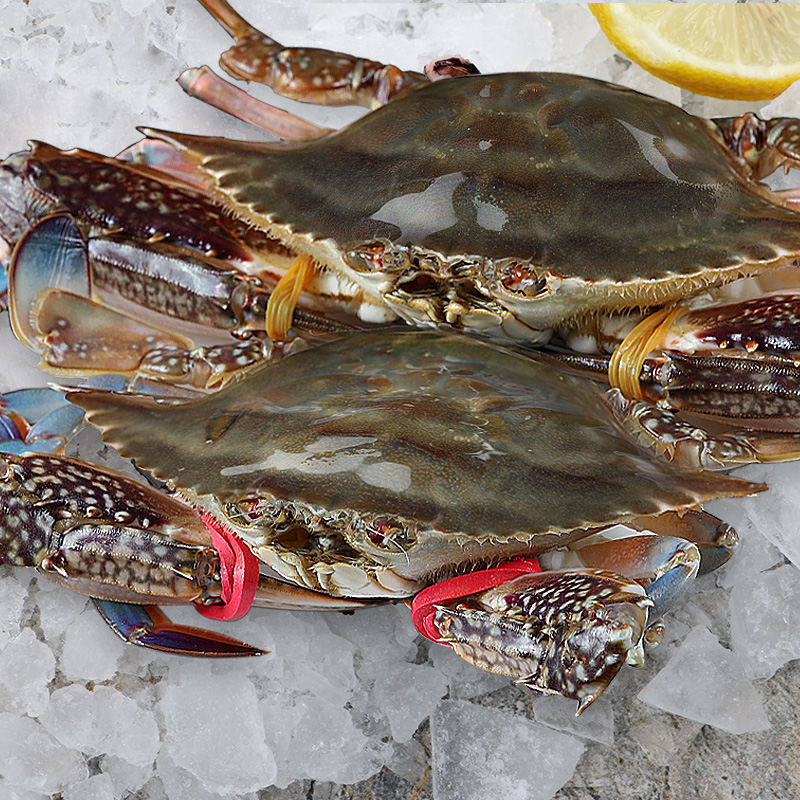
x=282 y=301
x=626 y=363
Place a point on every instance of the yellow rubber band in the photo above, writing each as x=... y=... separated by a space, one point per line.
x=283 y=300
x=626 y=362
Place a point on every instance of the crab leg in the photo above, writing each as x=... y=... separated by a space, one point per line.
x=202 y=83
x=148 y=626
x=715 y=539
x=762 y=145
x=311 y=75
x=694 y=448
x=37 y=420
x=735 y=360
x=564 y=632
x=665 y=565
x=76 y=335
x=153 y=239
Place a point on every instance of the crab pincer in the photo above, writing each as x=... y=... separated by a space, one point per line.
x=128 y=546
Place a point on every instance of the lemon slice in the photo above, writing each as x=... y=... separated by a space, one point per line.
x=737 y=51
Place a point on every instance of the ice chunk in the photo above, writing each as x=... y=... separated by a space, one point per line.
x=765 y=618
x=596 y=722
x=483 y=752
x=774 y=513
x=91 y=650
x=639 y=79
x=12 y=599
x=26 y=667
x=125 y=777
x=784 y=105
x=98 y=787
x=706 y=682
x=309 y=736
x=407 y=695
x=215 y=730
x=180 y=784
x=754 y=553
x=58 y=607
x=8 y=792
x=41 y=53
x=32 y=759
x=102 y=721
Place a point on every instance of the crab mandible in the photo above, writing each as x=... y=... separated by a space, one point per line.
x=543 y=207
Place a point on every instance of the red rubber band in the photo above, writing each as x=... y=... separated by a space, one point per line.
x=238 y=571
x=423 y=607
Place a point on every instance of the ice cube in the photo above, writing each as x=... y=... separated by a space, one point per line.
x=706 y=682
x=91 y=651
x=407 y=696
x=30 y=758
x=102 y=721
x=215 y=729
x=98 y=787
x=484 y=752
x=126 y=778
x=26 y=667
x=595 y=723
x=765 y=619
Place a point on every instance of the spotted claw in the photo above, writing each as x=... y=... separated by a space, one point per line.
x=564 y=633
x=128 y=546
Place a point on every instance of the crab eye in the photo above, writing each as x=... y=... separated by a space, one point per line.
x=387 y=534
x=367 y=258
x=521 y=280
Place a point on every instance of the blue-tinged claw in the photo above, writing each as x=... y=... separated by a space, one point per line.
x=33 y=404
x=10 y=429
x=148 y=626
x=61 y=423
x=51 y=255
x=18 y=447
x=681 y=564
x=36 y=421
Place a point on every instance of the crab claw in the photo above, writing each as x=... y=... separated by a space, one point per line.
x=149 y=626
x=127 y=545
x=564 y=633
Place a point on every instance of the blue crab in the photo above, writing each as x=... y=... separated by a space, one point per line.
x=383 y=241
x=371 y=467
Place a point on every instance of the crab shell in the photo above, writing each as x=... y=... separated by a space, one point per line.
x=371 y=465
x=517 y=200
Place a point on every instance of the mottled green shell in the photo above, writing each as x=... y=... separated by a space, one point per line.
x=579 y=177
x=452 y=434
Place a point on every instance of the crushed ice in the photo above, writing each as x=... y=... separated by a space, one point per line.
x=339 y=696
